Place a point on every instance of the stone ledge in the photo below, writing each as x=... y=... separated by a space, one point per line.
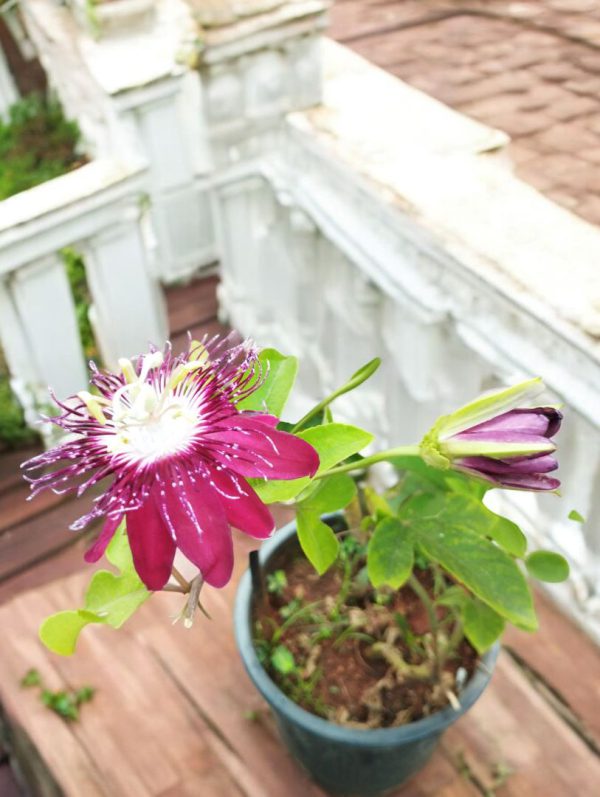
x=435 y=169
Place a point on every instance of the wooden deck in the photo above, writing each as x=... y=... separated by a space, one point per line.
x=175 y=715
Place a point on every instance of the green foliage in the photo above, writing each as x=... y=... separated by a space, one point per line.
x=14 y=432
x=65 y=703
x=576 y=516
x=334 y=442
x=110 y=599
x=282 y=660
x=390 y=555
x=31 y=678
x=276 y=582
x=75 y=268
x=484 y=568
x=482 y=625
x=547 y=566
x=319 y=543
x=279 y=374
x=37 y=144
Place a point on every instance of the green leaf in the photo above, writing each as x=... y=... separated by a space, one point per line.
x=484 y=568
x=319 y=543
x=576 y=516
x=328 y=495
x=114 y=598
x=280 y=374
x=334 y=442
x=60 y=631
x=469 y=512
x=547 y=566
x=482 y=625
x=110 y=599
x=282 y=660
x=390 y=554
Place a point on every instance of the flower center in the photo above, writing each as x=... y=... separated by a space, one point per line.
x=152 y=419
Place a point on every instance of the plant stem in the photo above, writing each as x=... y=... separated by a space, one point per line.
x=192 y=601
x=382 y=456
x=423 y=596
x=183 y=583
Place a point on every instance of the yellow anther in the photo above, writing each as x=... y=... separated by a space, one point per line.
x=93 y=406
x=198 y=352
x=128 y=370
x=182 y=371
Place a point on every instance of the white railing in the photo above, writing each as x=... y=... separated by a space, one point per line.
x=386 y=224
x=96 y=209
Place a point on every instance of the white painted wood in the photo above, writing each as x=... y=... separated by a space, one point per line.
x=39 y=330
x=129 y=309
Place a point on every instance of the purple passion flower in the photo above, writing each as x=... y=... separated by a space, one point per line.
x=497 y=439
x=167 y=432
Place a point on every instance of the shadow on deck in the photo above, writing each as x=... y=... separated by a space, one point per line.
x=171 y=715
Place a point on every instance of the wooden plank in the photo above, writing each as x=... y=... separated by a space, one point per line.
x=192 y=687
x=11 y=475
x=15 y=508
x=513 y=727
x=566 y=660
x=32 y=541
x=191 y=304
x=58 y=564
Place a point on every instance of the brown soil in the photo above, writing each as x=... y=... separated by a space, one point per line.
x=346 y=655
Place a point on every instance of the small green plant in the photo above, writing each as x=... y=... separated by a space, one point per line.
x=37 y=143
x=64 y=702
x=276 y=582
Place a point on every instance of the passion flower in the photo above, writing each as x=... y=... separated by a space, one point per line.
x=167 y=433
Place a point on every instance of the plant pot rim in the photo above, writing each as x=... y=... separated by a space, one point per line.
x=366 y=738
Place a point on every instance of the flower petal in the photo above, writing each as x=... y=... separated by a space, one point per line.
x=108 y=532
x=152 y=545
x=543 y=421
x=253 y=449
x=243 y=507
x=530 y=481
x=544 y=463
x=196 y=517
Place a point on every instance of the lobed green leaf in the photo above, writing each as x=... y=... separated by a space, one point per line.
x=484 y=568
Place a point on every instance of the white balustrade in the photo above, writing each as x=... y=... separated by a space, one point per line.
x=97 y=210
x=356 y=236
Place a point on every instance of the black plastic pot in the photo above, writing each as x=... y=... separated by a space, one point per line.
x=347 y=761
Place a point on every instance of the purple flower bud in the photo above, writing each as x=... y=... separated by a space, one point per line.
x=498 y=439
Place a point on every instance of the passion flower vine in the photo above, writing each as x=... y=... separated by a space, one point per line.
x=167 y=432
